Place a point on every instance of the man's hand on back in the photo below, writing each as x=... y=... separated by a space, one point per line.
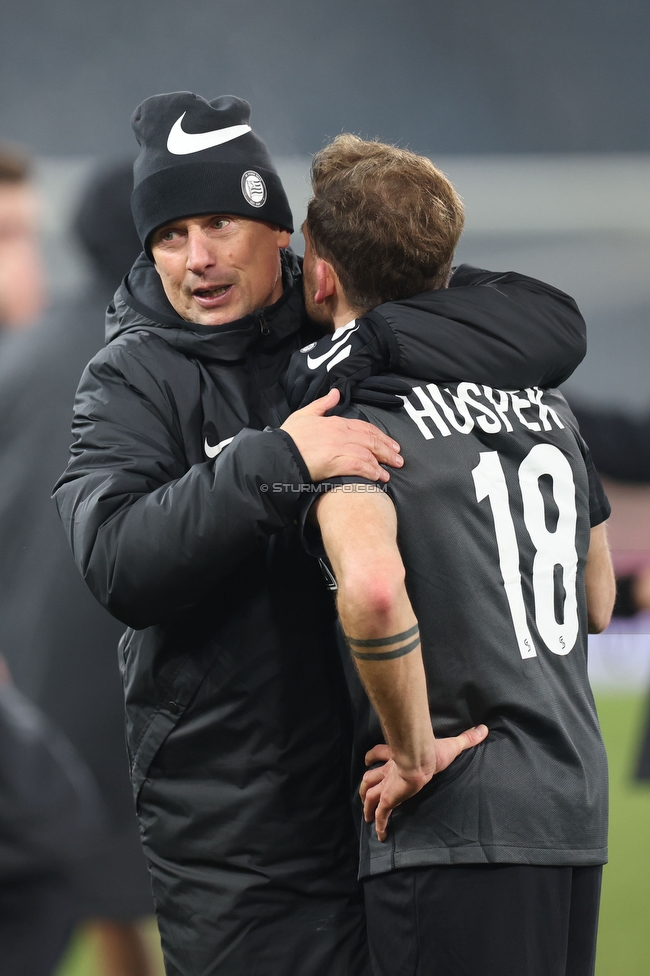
x=333 y=446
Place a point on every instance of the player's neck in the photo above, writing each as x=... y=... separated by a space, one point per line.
x=342 y=312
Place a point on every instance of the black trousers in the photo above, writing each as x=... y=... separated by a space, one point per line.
x=484 y=920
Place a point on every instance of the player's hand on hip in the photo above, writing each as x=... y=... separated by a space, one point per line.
x=333 y=446
x=385 y=787
x=449 y=748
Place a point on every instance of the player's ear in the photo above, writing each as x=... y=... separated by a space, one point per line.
x=284 y=237
x=325 y=281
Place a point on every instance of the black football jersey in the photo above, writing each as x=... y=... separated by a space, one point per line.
x=493 y=506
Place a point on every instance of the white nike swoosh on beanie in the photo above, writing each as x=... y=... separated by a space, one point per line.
x=181 y=143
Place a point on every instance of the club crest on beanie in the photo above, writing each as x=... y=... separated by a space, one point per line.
x=198 y=157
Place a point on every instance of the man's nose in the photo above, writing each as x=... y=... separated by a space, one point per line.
x=200 y=253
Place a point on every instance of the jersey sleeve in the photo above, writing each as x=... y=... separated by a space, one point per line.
x=599 y=507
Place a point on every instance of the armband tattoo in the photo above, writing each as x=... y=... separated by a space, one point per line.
x=384 y=642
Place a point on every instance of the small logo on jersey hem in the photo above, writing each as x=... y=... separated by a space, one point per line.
x=253 y=188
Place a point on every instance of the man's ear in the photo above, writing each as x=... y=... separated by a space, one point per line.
x=325 y=281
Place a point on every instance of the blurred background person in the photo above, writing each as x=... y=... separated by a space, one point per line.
x=61 y=646
x=22 y=286
x=621 y=442
x=50 y=812
x=620 y=446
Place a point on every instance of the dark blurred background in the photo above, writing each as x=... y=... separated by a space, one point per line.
x=468 y=77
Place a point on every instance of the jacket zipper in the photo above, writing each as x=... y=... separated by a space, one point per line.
x=264 y=330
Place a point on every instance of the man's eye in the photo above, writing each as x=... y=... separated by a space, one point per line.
x=220 y=223
x=165 y=237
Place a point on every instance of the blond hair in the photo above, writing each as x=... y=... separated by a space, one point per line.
x=385 y=218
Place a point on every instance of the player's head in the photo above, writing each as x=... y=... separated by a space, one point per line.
x=386 y=220
x=21 y=274
x=209 y=206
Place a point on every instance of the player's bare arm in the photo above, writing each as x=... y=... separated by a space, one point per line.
x=600 y=583
x=359 y=530
x=332 y=447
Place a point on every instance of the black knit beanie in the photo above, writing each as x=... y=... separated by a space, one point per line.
x=200 y=157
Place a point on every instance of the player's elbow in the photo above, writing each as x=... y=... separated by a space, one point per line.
x=600 y=604
x=372 y=594
x=599 y=618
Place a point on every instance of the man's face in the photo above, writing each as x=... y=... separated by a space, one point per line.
x=21 y=272
x=319 y=313
x=218 y=268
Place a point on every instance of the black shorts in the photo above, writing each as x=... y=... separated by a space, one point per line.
x=484 y=920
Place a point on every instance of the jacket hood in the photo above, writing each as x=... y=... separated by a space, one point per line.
x=140 y=305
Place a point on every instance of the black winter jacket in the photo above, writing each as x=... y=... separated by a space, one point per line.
x=236 y=711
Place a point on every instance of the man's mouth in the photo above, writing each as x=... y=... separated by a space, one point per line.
x=211 y=297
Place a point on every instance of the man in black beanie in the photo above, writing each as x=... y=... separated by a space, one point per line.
x=181 y=500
